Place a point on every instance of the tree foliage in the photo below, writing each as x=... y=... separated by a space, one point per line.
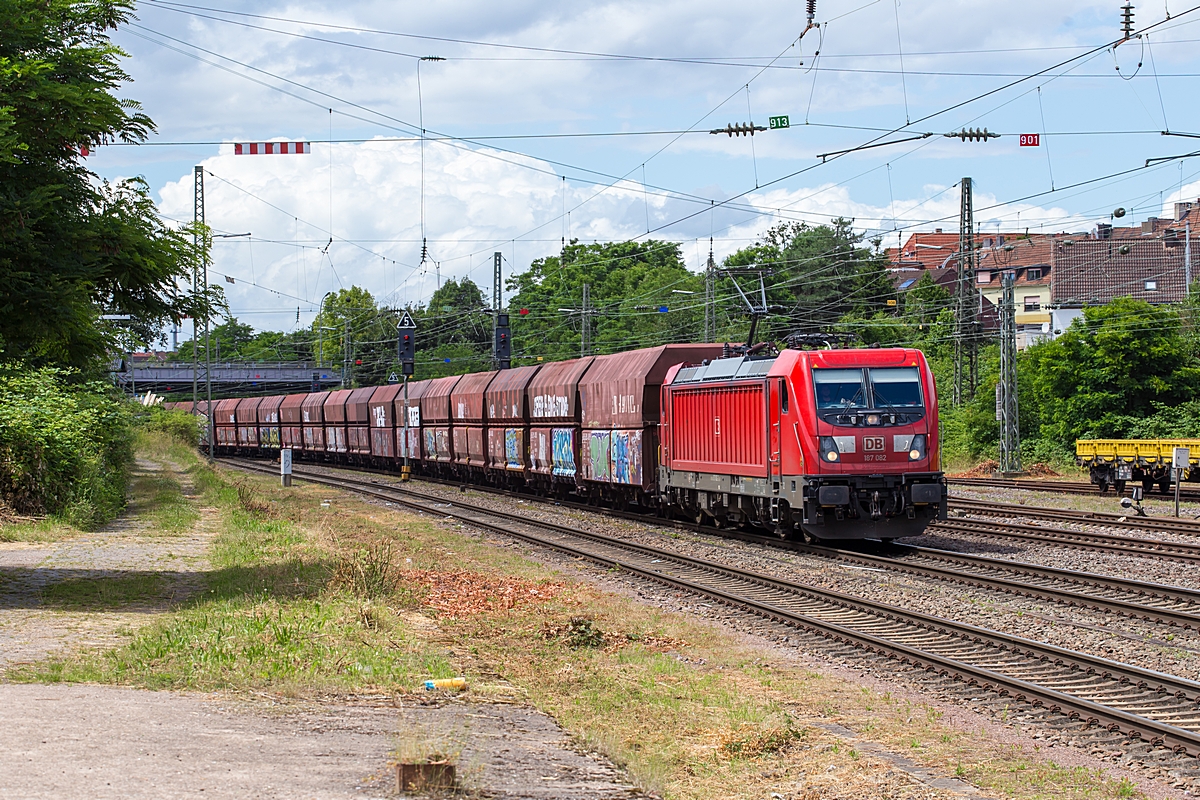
x=65 y=445
x=73 y=247
x=1115 y=364
x=628 y=285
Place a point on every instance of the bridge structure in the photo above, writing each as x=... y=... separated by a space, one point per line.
x=251 y=378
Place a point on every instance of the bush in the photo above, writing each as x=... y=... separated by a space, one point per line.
x=178 y=424
x=65 y=447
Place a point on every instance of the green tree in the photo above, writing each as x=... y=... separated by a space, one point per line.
x=630 y=283
x=73 y=247
x=1117 y=363
x=815 y=276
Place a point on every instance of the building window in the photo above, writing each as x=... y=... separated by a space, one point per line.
x=1151 y=286
x=984 y=277
x=1033 y=303
x=1033 y=274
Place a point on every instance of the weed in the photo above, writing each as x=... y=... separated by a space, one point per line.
x=582 y=632
x=367 y=572
x=751 y=742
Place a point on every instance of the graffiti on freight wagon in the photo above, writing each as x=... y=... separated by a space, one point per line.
x=627 y=457
x=597 y=465
x=512 y=448
x=563 y=447
x=548 y=405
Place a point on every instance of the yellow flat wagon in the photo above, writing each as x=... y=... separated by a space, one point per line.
x=1114 y=462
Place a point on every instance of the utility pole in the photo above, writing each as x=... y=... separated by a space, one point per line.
x=710 y=291
x=499 y=360
x=585 y=313
x=197 y=219
x=201 y=242
x=346 y=355
x=1006 y=389
x=966 y=318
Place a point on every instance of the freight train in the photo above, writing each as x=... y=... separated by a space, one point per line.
x=820 y=444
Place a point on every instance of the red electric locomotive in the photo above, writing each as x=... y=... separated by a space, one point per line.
x=833 y=444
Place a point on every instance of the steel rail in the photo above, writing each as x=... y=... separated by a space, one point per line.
x=1185 y=611
x=1187 y=617
x=1102 y=542
x=1130 y=520
x=1070 y=487
x=1169 y=698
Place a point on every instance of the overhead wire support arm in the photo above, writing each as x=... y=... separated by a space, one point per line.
x=916 y=138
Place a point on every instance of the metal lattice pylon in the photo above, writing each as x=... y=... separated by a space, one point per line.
x=710 y=292
x=966 y=305
x=1006 y=389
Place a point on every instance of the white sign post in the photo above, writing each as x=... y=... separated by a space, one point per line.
x=1180 y=459
x=285 y=466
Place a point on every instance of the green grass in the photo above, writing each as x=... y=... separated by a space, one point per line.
x=103 y=593
x=159 y=499
x=45 y=530
x=272 y=615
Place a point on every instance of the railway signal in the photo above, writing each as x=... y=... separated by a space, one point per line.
x=503 y=343
x=406 y=343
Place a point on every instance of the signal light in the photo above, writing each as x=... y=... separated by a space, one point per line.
x=358 y=362
x=523 y=312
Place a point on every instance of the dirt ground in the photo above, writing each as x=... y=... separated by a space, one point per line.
x=101 y=742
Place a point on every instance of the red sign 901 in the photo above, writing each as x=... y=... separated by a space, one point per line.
x=1031 y=139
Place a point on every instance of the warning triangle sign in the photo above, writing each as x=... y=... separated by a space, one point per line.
x=406 y=320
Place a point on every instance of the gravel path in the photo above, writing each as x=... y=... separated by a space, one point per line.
x=105 y=742
x=129 y=548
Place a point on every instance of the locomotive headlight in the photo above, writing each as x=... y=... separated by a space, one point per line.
x=918 y=448
x=872 y=419
x=829 y=450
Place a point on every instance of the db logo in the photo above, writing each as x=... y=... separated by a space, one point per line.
x=872 y=444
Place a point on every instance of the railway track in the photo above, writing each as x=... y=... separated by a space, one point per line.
x=1061 y=487
x=1153 y=602
x=1105 y=519
x=1082 y=540
x=1142 y=704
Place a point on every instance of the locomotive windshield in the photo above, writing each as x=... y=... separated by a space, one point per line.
x=840 y=388
x=895 y=387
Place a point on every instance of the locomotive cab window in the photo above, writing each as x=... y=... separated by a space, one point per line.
x=783 y=397
x=840 y=388
x=895 y=387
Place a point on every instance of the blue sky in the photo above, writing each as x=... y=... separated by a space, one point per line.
x=316 y=71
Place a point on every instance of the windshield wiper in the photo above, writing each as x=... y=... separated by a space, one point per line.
x=850 y=402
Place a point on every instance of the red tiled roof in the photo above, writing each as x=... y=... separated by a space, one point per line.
x=933 y=252
x=1094 y=271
